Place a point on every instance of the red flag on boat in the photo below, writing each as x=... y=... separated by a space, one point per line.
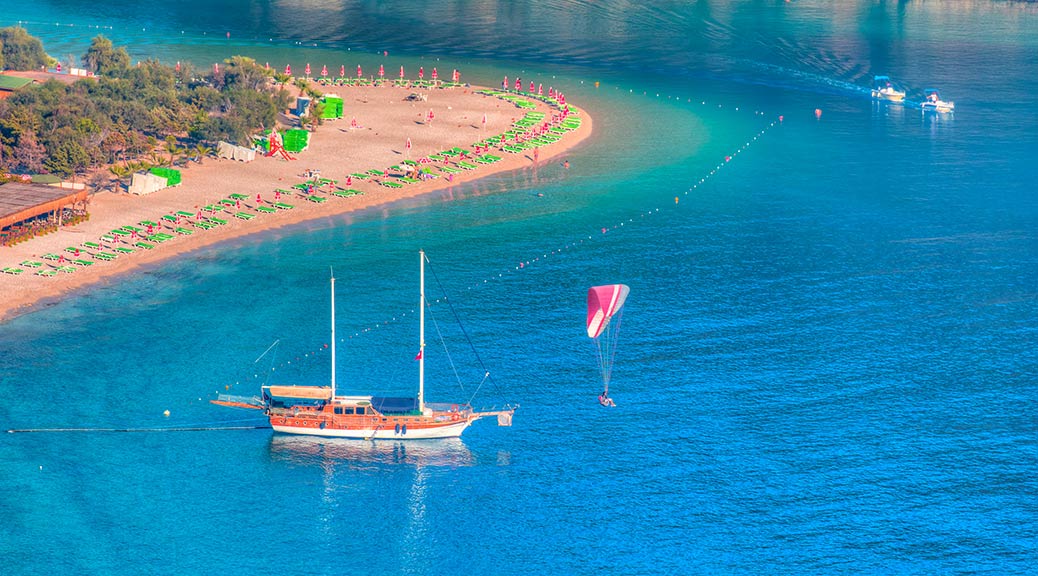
x=418 y=356
x=324 y=70
x=421 y=72
x=434 y=74
x=288 y=69
x=307 y=69
x=359 y=71
x=381 y=71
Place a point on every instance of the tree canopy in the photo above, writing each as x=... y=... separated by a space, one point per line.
x=20 y=51
x=128 y=112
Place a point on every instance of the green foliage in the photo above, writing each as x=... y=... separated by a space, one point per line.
x=103 y=59
x=20 y=51
x=126 y=113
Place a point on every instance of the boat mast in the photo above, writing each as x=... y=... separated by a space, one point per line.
x=333 y=337
x=421 y=340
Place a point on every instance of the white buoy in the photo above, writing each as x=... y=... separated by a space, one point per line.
x=166 y=413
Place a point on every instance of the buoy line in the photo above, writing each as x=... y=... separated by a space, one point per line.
x=180 y=429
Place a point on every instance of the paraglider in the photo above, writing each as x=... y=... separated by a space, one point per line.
x=603 y=304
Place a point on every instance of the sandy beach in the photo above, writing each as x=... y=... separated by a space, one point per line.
x=385 y=121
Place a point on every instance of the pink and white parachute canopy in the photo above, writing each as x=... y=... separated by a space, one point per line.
x=602 y=303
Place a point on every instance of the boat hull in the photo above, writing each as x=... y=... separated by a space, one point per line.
x=942 y=107
x=888 y=96
x=452 y=430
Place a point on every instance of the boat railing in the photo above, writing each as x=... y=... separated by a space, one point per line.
x=234 y=399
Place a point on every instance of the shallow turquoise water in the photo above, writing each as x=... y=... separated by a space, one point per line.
x=828 y=357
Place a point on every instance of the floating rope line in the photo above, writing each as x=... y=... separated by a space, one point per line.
x=524 y=264
x=173 y=429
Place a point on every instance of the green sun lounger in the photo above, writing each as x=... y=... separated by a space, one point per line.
x=14 y=271
x=317 y=199
x=216 y=220
x=244 y=215
x=347 y=193
x=169 y=218
x=47 y=273
x=50 y=256
x=228 y=203
x=203 y=225
x=375 y=173
x=283 y=191
x=185 y=214
x=183 y=231
x=466 y=165
x=81 y=262
x=92 y=245
x=391 y=184
x=123 y=250
x=66 y=269
x=449 y=170
x=302 y=186
x=409 y=180
x=360 y=175
x=104 y=256
x=31 y=264
x=237 y=196
x=147 y=223
x=119 y=232
x=283 y=206
x=144 y=245
x=410 y=162
x=266 y=209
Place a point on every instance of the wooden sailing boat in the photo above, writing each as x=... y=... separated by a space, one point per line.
x=320 y=411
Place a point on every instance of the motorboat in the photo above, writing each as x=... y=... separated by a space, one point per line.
x=933 y=102
x=883 y=89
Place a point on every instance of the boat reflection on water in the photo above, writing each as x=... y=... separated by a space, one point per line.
x=308 y=450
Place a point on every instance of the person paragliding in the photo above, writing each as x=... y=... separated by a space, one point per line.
x=604 y=303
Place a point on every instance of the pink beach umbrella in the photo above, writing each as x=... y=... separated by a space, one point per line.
x=265 y=66
x=288 y=69
x=381 y=71
x=359 y=71
x=178 y=66
x=433 y=74
x=401 y=72
x=484 y=119
x=540 y=89
x=324 y=71
x=216 y=68
x=504 y=83
x=408 y=144
x=531 y=87
x=58 y=67
x=421 y=72
x=518 y=84
x=455 y=76
x=429 y=117
x=307 y=70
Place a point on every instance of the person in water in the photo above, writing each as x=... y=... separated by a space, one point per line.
x=605 y=400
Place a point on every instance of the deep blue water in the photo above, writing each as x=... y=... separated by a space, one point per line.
x=827 y=362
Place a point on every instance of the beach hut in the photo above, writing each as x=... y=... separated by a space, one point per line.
x=232 y=152
x=296 y=140
x=172 y=175
x=302 y=106
x=146 y=183
x=332 y=107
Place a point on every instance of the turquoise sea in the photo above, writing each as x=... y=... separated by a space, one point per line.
x=828 y=359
